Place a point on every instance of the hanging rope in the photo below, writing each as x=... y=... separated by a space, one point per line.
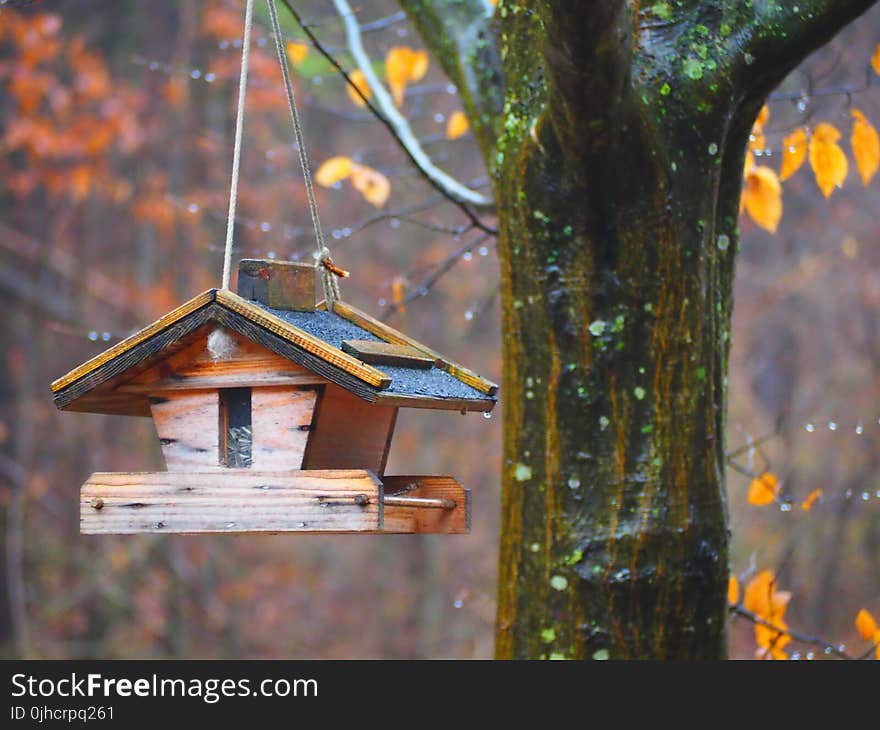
x=329 y=271
x=239 y=126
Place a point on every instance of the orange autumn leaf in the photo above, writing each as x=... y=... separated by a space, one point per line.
x=762 y=490
x=749 y=163
x=297 y=52
x=373 y=185
x=875 y=59
x=732 y=590
x=763 y=116
x=358 y=79
x=457 y=125
x=827 y=158
x=811 y=499
x=865 y=146
x=333 y=170
x=794 y=152
x=397 y=292
x=762 y=197
x=403 y=65
x=768 y=604
x=867 y=626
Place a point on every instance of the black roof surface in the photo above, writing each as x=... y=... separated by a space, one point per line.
x=333 y=329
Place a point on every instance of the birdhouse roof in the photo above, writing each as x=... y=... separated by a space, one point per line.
x=313 y=339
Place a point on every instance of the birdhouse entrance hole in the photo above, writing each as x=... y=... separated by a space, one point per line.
x=236 y=433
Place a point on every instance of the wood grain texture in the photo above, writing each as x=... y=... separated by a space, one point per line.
x=281 y=419
x=148 y=349
x=240 y=501
x=237 y=362
x=387 y=353
x=456 y=521
x=446 y=404
x=128 y=343
x=303 y=339
x=278 y=284
x=349 y=433
x=389 y=334
x=241 y=324
x=188 y=424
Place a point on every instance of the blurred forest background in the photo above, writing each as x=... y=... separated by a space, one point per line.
x=115 y=152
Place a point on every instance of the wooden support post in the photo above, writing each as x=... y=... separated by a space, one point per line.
x=432 y=504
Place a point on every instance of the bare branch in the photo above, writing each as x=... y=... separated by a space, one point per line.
x=400 y=124
x=778 y=36
x=386 y=123
x=826 y=646
x=431 y=279
x=463 y=37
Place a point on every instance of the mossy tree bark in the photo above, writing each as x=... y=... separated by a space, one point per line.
x=617 y=148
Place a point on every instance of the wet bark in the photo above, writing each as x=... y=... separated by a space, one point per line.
x=617 y=168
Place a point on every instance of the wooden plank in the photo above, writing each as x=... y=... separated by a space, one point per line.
x=349 y=433
x=413 y=519
x=240 y=501
x=281 y=419
x=283 y=347
x=124 y=363
x=484 y=405
x=303 y=339
x=220 y=358
x=278 y=284
x=389 y=334
x=188 y=423
x=128 y=343
x=387 y=353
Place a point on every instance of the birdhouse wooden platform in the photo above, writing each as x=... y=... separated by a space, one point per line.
x=273 y=415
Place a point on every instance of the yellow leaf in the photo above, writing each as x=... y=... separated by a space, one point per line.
x=749 y=164
x=762 y=197
x=758 y=592
x=794 y=152
x=732 y=590
x=827 y=159
x=763 y=116
x=373 y=185
x=403 y=65
x=333 y=170
x=457 y=125
x=397 y=293
x=358 y=79
x=875 y=59
x=865 y=146
x=297 y=52
x=866 y=625
x=811 y=499
x=757 y=140
x=762 y=599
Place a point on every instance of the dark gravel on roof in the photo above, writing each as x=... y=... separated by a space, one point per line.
x=333 y=329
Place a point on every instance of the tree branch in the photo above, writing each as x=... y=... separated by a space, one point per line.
x=463 y=39
x=398 y=122
x=781 y=34
x=472 y=217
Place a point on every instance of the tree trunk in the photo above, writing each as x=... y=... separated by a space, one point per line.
x=617 y=163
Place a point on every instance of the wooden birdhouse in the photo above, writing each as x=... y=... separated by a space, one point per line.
x=273 y=415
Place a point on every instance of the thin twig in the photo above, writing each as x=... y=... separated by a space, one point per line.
x=429 y=281
x=829 y=648
x=396 y=119
x=462 y=204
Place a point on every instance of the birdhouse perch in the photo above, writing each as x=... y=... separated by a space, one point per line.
x=273 y=415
